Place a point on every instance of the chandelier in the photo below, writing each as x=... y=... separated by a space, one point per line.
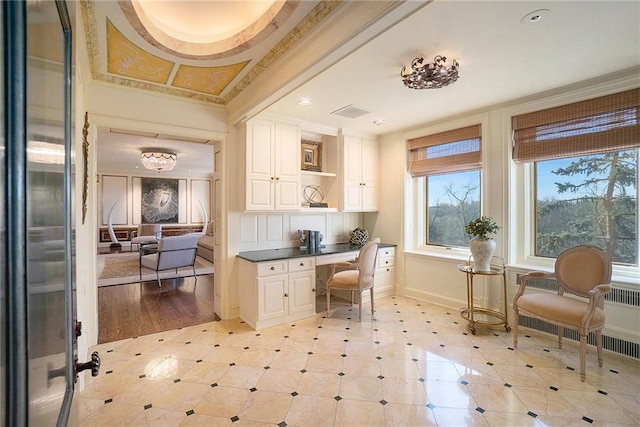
x=429 y=75
x=158 y=160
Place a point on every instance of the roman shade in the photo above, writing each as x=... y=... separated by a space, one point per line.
x=451 y=151
x=605 y=124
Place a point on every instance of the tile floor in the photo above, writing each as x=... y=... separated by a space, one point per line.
x=415 y=364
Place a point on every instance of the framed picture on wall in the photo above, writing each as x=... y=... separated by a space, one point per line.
x=160 y=202
x=311 y=156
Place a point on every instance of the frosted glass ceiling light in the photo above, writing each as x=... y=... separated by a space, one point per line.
x=158 y=160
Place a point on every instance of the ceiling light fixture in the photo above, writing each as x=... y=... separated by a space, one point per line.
x=305 y=102
x=429 y=75
x=158 y=160
x=380 y=122
x=535 y=16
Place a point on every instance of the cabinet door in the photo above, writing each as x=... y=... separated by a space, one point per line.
x=259 y=166
x=370 y=169
x=271 y=296
x=352 y=174
x=287 y=167
x=302 y=295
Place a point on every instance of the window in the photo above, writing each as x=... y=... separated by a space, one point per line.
x=450 y=164
x=585 y=162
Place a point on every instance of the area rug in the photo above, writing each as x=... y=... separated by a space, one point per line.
x=120 y=269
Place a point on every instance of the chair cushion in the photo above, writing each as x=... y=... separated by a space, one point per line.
x=347 y=280
x=567 y=310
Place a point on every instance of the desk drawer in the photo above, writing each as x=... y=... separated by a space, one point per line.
x=271 y=268
x=302 y=264
x=387 y=252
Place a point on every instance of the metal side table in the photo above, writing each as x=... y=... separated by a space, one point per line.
x=481 y=315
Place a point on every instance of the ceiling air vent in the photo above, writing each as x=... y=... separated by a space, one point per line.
x=350 y=111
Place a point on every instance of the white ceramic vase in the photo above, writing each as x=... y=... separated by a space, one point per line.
x=482 y=250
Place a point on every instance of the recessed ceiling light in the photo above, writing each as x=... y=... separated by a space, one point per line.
x=535 y=16
x=380 y=122
x=305 y=102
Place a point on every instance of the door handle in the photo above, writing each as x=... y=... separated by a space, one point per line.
x=93 y=364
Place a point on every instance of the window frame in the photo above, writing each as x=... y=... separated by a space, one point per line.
x=417 y=206
x=522 y=191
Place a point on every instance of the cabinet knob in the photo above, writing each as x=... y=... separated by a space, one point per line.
x=272 y=267
x=388 y=269
x=313 y=289
x=286 y=295
x=302 y=264
x=277 y=178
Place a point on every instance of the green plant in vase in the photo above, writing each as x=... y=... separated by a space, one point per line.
x=482 y=246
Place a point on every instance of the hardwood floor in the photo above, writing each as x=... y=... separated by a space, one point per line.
x=127 y=311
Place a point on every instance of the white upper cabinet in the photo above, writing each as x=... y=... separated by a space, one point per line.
x=360 y=175
x=272 y=166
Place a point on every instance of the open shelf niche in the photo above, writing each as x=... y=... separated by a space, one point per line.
x=325 y=179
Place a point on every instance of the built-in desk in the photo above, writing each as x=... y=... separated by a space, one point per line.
x=279 y=285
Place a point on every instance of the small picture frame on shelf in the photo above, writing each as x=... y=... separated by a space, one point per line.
x=311 y=156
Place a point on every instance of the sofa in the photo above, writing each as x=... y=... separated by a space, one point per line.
x=205 y=243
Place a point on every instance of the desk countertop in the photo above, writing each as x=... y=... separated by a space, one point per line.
x=288 y=253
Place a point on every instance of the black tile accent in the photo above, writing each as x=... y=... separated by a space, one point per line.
x=108 y=401
x=463 y=382
x=234 y=418
x=345 y=340
x=455 y=323
x=282 y=424
x=190 y=412
x=267 y=367
x=479 y=409
x=442 y=345
x=421 y=379
x=231 y=332
x=409 y=344
x=587 y=419
x=376 y=342
x=428 y=321
x=252 y=389
x=614 y=371
x=148 y=406
x=430 y=405
x=341 y=374
x=378 y=357
x=414 y=359
x=528 y=336
x=188 y=342
x=464 y=333
x=214 y=385
x=109 y=372
x=343 y=355
x=216 y=345
x=532 y=414
x=303 y=370
x=383 y=402
x=434 y=332
x=490 y=363
x=110 y=351
x=508 y=385
x=199 y=361
x=554 y=388
x=294 y=394
x=309 y=353
x=287 y=336
x=338 y=398
x=161 y=339
x=246 y=348
x=177 y=380
x=141 y=376
x=380 y=377
x=529 y=366
x=204 y=330
x=315 y=338
x=476 y=347
x=138 y=354
x=278 y=350
x=602 y=392
x=570 y=368
x=232 y=364
x=347 y=328
x=510 y=348
x=548 y=351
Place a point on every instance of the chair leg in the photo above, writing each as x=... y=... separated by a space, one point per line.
x=195 y=278
x=328 y=303
x=515 y=330
x=560 y=334
x=583 y=357
x=371 y=293
x=158 y=277
x=599 y=346
x=360 y=306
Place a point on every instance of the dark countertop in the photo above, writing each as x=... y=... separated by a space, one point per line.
x=287 y=253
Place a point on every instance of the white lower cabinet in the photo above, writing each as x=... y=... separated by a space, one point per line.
x=385 y=278
x=276 y=292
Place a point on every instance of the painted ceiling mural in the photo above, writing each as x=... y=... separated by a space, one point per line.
x=126 y=49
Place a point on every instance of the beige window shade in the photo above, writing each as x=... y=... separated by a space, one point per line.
x=605 y=124
x=452 y=151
